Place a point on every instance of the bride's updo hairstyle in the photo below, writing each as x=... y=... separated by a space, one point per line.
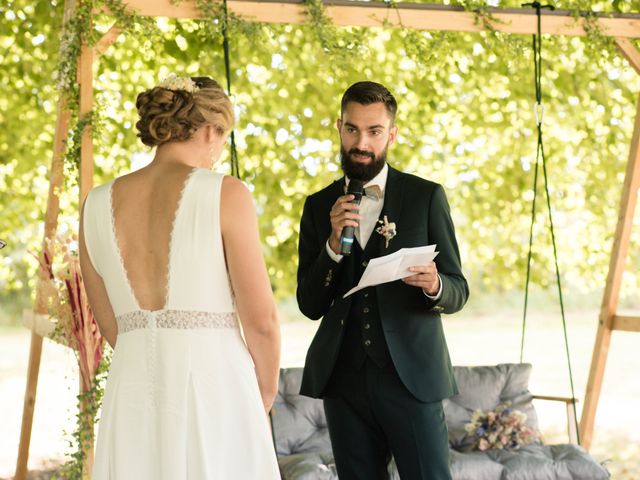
x=175 y=109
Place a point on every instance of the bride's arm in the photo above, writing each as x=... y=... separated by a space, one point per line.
x=251 y=286
x=96 y=292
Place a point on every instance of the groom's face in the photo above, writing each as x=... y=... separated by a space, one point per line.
x=366 y=131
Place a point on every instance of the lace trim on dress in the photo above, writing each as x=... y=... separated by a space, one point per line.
x=172 y=233
x=181 y=319
x=117 y=246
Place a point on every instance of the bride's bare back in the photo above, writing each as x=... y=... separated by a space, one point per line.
x=144 y=206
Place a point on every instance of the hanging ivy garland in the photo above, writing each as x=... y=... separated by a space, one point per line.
x=419 y=45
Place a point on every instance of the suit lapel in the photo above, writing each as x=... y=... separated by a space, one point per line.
x=392 y=208
x=337 y=189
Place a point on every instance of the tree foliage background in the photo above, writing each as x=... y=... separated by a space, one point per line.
x=465 y=117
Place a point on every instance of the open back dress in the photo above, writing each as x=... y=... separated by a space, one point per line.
x=182 y=398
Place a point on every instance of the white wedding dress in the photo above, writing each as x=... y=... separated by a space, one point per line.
x=182 y=399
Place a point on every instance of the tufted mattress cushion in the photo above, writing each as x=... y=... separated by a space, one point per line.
x=299 y=423
x=484 y=388
x=304 y=448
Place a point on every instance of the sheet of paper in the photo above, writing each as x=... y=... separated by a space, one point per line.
x=394 y=266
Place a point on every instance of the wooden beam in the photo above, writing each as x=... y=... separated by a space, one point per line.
x=572 y=425
x=107 y=40
x=622 y=237
x=570 y=403
x=35 y=351
x=412 y=15
x=555 y=399
x=28 y=407
x=594 y=384
x=56 y=176
x=626 y=323
x=611 y=294
x=630 y=52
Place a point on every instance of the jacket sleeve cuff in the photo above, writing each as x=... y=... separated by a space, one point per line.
x=337 y=258
x=438 y=295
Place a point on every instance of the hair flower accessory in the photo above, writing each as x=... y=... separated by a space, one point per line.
x=173 y=82
x=387 y=230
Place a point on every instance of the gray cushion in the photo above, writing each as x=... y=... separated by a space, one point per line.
x=474 y=466
x=548 y=462
x=304 y=448
x=484 y=388
x=299 y=423
x=308 y=466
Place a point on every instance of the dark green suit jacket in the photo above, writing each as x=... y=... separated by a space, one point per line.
x=410 y=320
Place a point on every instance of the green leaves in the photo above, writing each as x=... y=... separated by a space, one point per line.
x=465 y=118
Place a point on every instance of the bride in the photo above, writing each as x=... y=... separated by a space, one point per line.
x=173 y=269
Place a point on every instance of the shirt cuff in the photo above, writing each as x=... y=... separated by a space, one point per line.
x=438 y=295
x=334 y=256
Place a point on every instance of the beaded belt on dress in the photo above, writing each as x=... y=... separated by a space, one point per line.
x=181 y=319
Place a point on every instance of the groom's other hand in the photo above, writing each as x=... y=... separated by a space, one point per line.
x=343 y=214
x=426 y=277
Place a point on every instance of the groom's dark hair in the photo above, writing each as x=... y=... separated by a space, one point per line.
x=366 y=93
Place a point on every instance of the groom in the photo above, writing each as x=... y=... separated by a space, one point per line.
x=379 y=358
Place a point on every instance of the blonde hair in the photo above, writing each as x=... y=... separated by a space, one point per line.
x=174 y=115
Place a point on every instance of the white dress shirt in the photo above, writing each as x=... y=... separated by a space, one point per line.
x=370 y=209
x=369 y=212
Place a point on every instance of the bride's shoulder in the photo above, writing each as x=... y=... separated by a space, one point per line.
x=218 y=181
x=100 y=190
x=98 y=199
x=233 y=186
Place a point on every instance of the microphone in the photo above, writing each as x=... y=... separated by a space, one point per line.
x=355 y=188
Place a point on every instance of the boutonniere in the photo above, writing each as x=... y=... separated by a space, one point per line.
x=387 y=230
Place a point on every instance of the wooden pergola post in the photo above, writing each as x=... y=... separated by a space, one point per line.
x=35 y=351
x=370 y=14
x=85 y=80
x=56 y=176
x=609 y=320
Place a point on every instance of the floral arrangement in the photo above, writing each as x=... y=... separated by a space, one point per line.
x=387 y=230
x=503 y=429
x=173 y=82
x=75 y=326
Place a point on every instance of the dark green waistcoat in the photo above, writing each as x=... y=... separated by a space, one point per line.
x=363 y=334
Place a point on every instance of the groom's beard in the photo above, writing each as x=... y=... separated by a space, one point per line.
x=360 y=171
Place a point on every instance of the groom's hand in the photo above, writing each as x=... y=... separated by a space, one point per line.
x=343 y=214
x=426 y=277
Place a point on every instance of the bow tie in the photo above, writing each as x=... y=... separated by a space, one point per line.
x=374 y=192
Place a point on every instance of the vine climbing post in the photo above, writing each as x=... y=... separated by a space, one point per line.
x=56 y=176
x=85 y=80
x=85 y=181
